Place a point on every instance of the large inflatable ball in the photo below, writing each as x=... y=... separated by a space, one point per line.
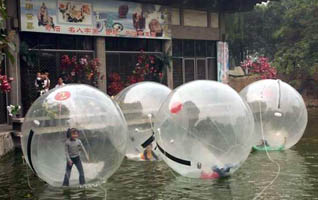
x=204 y=130
x=279 y=111
x=140 y=103
x=74 y=135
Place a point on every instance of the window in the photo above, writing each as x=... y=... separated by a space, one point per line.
x=54 y=41
x=154 y=45
x=46 y=41
x=201 y=69
x=175 y=16
x=133 y=44
x=177 y=49
x=177 y=72
x=214 y=20
x=212 y=69
x=211 y=49
x=189 y=74
x=188 y=48
x=200 y=48
x=193 y=60
x=48 y=50
x=122 y=54
x=67 y=42
x=193 y=48
x=195 y=18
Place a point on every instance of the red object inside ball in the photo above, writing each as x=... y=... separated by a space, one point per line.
x=176 y=107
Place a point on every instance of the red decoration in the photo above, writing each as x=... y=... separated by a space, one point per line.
x=212 y=175
x=176 y=107
x=62 y=96
x=260 y=66
x=80 y=70
x=147 y=68
x=5 y=83
x=116 y=85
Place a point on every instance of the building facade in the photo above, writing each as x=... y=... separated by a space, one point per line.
x=188 y=34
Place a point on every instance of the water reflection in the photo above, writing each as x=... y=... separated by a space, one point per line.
x=185 y=188
x=291 y=182
x=48 y=192
x=155 y=180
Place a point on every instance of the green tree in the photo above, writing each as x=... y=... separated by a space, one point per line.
x=252 y=32
x=284 y=31
x=297 y=56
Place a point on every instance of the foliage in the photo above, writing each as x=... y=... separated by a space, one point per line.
x=252 y=32
x=80 y=70
x=147 y=68
x=260 y=66
x=13 y=110
x=6 y=44
x=298 y=52
x=286 y=33
x=29 y=57
x=115 y=84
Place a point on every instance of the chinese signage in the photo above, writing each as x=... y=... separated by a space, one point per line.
x=95 y=18
x=223 y=61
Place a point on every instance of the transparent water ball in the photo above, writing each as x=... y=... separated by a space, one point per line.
x=279 y=111
x=204 y=130
x=140 y=103
x=99 y=148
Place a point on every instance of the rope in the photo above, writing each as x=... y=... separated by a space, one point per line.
x=276 y=163
x=27 y=170
x=105 y=191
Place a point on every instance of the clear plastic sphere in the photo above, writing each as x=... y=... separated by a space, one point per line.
x=140 y=103
x=95 y=146
x=204 y=130
x=279 y=111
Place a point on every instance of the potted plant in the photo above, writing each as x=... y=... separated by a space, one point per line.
x=13 y=110
x=14 y=113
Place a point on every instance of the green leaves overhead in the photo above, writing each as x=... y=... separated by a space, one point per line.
x=285 y=31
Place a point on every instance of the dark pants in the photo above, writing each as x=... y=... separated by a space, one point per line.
x=223 y=172
x=78 y=163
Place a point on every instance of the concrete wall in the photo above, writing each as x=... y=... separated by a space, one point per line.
x=195 y=18
x=238 y=83
x=195 y=33
x=13 y=68
x=195 y=25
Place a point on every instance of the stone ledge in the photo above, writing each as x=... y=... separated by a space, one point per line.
x=6 y=143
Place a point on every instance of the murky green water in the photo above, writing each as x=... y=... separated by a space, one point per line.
x=298 y=178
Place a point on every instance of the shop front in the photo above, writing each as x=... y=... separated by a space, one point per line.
x=169 y=44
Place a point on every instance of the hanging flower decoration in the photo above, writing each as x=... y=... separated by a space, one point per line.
x=5 y=83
